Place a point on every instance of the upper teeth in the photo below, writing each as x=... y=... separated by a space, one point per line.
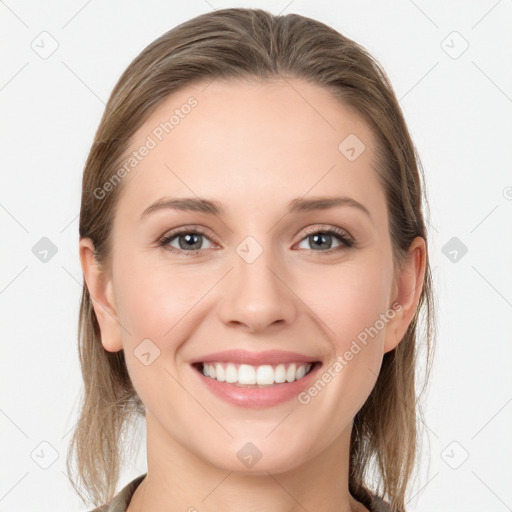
x=246 y=374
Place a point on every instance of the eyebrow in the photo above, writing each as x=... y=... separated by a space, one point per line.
x=298 y=205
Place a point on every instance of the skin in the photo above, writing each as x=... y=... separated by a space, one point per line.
x=252 y=147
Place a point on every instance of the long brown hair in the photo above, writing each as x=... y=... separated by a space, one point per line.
x=252 y=43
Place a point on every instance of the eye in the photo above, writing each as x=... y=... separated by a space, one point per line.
x=323 y=240
x=191 y=241
x=186 y=240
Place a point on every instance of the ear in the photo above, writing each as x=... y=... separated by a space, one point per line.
x=406 y=292
x=99 y=285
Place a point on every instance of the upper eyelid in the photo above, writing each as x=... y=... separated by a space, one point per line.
x=186 y=229
x=204 y=231
x=327 y=228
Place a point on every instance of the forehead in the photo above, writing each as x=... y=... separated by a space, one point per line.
x=248 y=142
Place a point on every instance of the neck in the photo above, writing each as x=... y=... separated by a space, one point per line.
x=178 y=480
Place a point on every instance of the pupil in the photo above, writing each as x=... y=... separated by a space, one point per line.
x=321 y=239
x=190 y=241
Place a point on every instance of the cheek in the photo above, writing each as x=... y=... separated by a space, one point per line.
x=349 y=299
x=349 y=303
x=155 y=303
x=152 y=299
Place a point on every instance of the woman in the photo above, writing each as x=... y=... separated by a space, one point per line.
x=255 y=263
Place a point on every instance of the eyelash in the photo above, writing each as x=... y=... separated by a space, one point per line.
x=346 y=241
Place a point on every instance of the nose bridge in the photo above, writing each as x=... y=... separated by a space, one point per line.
x=256 y=296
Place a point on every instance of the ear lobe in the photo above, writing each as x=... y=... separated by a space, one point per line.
x=407 y=294
x=99 y=285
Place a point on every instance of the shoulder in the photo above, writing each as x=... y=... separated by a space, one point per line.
x=121 y=500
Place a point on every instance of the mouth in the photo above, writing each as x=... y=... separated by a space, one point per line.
x=256 y=379
x=252 y=376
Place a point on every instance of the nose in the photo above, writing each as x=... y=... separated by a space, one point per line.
x=257 y=296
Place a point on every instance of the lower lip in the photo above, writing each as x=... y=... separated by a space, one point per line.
x=258 y=397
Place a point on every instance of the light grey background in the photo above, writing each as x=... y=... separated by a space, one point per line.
x=458 y=105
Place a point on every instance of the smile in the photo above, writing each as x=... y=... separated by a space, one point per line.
x=247 y=375
x=255 y=379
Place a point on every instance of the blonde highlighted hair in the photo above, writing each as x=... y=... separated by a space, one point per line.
x=244 y=44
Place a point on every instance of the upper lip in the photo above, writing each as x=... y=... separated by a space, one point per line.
x=255 y=358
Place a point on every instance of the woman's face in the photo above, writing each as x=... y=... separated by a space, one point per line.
x=275 y=260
